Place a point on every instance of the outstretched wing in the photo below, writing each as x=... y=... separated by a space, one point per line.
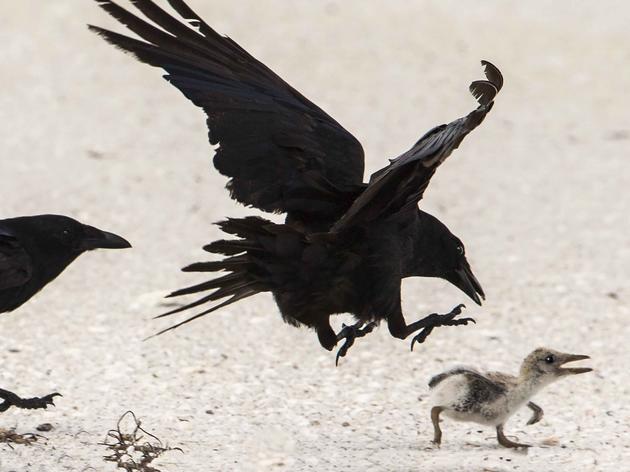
x=281 y=152
x=15 y=264
x=402 y=183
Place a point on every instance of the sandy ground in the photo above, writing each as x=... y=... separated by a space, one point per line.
x=539 y=194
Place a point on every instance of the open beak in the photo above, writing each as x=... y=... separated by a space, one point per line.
x=466 y=281
x=566 y=358
x=95 y=238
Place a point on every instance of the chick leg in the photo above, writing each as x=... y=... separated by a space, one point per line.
x=435 y=418
x=11 y=399
x=538 y=413
x=505 y=442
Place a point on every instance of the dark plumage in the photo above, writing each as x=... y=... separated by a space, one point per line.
x=34 y=250
x=345 y=245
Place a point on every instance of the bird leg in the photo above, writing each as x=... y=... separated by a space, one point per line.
x=399 y=329
x=11 y=399
x=435 y=418
x=350 y=333
x=538 y=413
x=505 y=442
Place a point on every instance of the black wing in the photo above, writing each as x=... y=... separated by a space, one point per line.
x=402 y=183
x=15 y=264
x=281 y=152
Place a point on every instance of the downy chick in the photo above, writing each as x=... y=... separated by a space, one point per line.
x=466 y=394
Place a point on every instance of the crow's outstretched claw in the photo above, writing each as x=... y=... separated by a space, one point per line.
x=35 y=403
x=350 y=333
x=434 y=320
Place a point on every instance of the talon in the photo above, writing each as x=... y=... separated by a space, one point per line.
x=339 y=354
x=463 y=321
x=421 y=337
x=344 y=349
x=35 y=403
x=350 y=333
x=434 y=320
x=50 y=399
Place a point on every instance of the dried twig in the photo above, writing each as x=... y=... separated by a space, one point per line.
x=9 y=437
x=129 y=451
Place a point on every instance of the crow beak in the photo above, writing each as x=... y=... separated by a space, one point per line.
x=95 y=238
x=565 y=358
x=466 y=281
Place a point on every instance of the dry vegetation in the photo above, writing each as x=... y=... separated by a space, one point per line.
x=10 y=437
x=134 y=451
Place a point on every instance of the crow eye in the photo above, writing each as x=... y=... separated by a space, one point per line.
x=460 y=249
x=550 y=359
x=66 y=236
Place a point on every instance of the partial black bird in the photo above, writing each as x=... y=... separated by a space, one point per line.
x=34 y=250
x=346 y=245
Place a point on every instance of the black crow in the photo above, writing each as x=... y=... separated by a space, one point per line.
x=34 y=250
x=346 y=245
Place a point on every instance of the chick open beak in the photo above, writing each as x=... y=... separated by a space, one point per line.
x=566 y=358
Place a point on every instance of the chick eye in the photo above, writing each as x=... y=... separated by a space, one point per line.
x=550 y=359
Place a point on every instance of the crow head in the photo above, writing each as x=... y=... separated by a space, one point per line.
x=457 y=271
x=439 y=253
x=54 y=241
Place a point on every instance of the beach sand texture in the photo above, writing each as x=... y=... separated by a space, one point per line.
x=539 y=194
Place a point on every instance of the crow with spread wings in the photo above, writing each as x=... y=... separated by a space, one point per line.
x=345 y=245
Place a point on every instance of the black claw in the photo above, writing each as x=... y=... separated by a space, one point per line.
x=339 y=354
x=344 y=349
x=38 y=402
x=350 y=333
x=458 y=309
x=435 y=320
x=35 y=403
x=421 y=336
x=50 y=399
x=460 y=322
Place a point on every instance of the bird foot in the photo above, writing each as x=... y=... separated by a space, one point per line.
x=434 y=320
x=35 y=403
x=533 y=420
x=537 y=413
x=505 y=442
x=514 y=445
x=350 y=333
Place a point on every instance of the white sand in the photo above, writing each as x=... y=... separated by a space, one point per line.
x=539 y=194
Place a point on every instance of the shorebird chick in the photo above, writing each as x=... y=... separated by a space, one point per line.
x=466 y=394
